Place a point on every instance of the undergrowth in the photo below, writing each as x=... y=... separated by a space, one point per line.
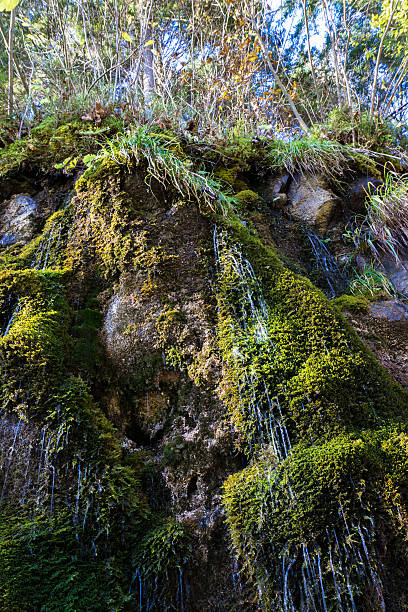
x=312 y=155
x=167 y=163
x=386 y=223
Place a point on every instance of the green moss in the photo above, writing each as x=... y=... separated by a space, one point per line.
x=248 y=199
x=160 y=558
x=101 y=220
x=43 y=566
x=32 y=352
x=296 y=374
x=50 y=143
x=227 y=176
x=85 y=331
x=315 y=356
x=351 y=303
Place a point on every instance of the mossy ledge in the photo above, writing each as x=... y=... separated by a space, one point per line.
x=321 y=429
x=317 y=418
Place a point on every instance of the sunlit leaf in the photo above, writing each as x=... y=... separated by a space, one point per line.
x=8 y=5
x=127 y=37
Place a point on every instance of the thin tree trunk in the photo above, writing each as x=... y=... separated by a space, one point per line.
x=393 y=8
x=16 y=64
x=334 y=51
x=404 y=69
x=148 y=65
x=281 y=85
x=10 y=63
x=311 y=59
x=346 y=81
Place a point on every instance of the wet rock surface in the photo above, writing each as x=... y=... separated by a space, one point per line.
x=390 y=310
x=397 y=272
x=160 y=392
x=358 y=191
x=312 y=201
x=384 y=330
x=275 y=189
x=19 y=219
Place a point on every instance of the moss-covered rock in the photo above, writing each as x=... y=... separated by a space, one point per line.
x=309 y=404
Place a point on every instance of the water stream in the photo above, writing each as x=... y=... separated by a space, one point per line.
x=312 y=577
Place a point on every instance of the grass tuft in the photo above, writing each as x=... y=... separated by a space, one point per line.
x=371 y=283
x=386 y=222
x=167 y=164
x=311 y=155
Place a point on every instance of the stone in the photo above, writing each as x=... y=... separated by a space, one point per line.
x=397 y=272
x=275 y=190
x=391 y=310
x=358 y=191
x=18 y=220
x=312 y=201
x=280 y=200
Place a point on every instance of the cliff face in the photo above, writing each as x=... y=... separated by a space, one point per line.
x=187 y=422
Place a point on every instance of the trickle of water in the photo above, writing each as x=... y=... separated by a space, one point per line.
x=11 y=453
x=327 y=264
x=12 y=318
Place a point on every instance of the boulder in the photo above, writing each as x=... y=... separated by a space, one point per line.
x=275 y=190
x=18 y=220
x=358 y=191
x=391 y=310
x=312 y=201
x=397 y=272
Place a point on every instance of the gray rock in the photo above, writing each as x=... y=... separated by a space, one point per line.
x=397 y=272
x=18 y=220
x=312 y=201
x=391 y=310
x=275 y=190
x=358 y=191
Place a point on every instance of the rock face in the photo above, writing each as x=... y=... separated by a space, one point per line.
x=312 y=201
x=18 y=220
x=358 y=191
x=275 y=190
x=159 y=387
x=397 y=272
x=187 y=422
x=384 y=330
x=391 y=310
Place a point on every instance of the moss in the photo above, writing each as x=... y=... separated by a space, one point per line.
x=144 y=377
x=101 y=220
x=160 y=558
x=86 y=344
x=52 y=142
x=242 y=150
x=351 y=303
x=315 y=356
x=248 y=199
x=296 y=377
x=43 y=566
x=32 y=352
x=227 y=176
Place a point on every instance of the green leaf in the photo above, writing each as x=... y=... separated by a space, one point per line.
x=88 y=159
x=8 y=5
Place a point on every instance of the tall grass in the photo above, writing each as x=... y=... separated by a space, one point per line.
x=386 y=222
x=167 y=164
x=372 y=282
x=311 y=155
